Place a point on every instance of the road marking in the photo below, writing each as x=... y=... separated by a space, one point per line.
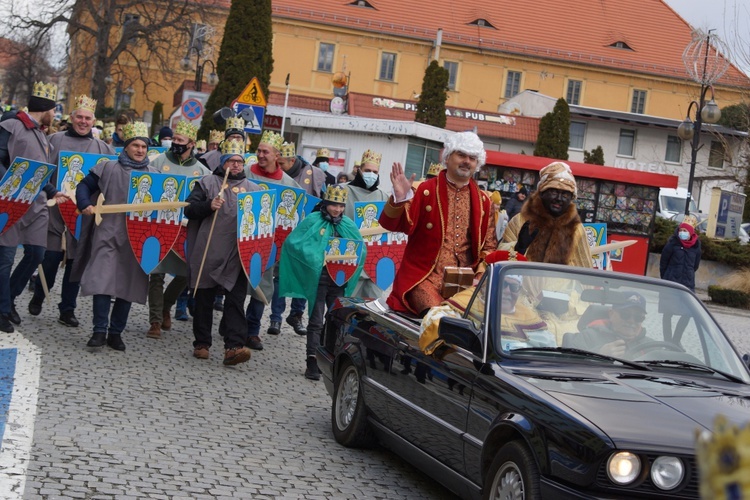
x=19 y=383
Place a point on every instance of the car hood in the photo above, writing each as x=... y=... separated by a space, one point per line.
x=646 y=411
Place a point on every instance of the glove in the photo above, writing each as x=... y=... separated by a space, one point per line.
x=525 y=238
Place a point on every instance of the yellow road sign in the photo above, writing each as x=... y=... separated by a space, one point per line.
x=252 y=95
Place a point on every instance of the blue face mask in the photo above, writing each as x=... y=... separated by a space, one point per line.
x=323 y=166
x=370 y=178
x=683 y=235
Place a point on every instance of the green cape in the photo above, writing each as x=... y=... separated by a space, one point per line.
x=303 y=254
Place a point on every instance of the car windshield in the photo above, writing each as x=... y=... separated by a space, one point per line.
x=675 y=204
x=611 y=316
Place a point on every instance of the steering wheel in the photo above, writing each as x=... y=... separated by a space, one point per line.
x=652 y=345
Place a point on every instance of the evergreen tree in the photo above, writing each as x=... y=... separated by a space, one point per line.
x=157 y=117
x=595 y=157
x=245 y=53
x=431 y=104
x=554 y=132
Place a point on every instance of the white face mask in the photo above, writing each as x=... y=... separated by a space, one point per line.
x=369 y=178
x=323 y=166
x=166 y=143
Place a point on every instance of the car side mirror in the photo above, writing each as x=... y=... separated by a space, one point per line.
x=461 y=332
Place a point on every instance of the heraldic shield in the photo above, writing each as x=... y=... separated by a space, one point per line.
x=290 y=210
x=342 y=258
x=384 y=251
x=19 y=186
x=152 y=233
x=72 y=168
x=255 y=228
x=180 y=244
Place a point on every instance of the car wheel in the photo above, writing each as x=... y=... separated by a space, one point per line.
x=513 y=475
x=348 y=418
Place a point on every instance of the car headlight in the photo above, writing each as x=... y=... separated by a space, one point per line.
x=623 y=467
x=667 y=472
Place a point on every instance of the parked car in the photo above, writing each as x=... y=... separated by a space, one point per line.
x=502 y=411
x=743 y=233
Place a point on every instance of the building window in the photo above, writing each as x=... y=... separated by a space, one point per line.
x=674 y=149
x=512 y=84
x=626 y=146
x=325 y=57
x=639 y=102
x=482 y=23
x=387 y=63
x=716 y=155
x=419 y=155
x=577 y=133
x=452 y=68
x=574 y=92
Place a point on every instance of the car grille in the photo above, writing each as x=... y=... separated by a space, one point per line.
x=647 y=489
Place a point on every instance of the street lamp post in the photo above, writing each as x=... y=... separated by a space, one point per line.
x=213 y=78
x=705 y=63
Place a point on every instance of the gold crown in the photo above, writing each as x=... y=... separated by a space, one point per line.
x=201 y=144
x=107 y=132
x=322 y=153
x=45 y=91
x=335 y=194
x=85 y=102
x=133 y=130
x=187 y=129
x=99 y=124
x=371 y=156
x=723 y=459
x=435 y=169
x=215 y=136
x=287 y=150
x=272 y=139
x=233 y=147
x=235 y=123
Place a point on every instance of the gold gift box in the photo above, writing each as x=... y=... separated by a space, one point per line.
x=456 y=279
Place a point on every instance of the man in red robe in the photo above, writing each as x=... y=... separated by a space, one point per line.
x=449 y=221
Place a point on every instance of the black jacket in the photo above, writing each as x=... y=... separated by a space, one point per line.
x=678 y=263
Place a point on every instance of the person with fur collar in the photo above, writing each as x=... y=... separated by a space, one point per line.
x=548 y=228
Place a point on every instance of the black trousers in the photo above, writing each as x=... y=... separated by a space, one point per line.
x=233 y=325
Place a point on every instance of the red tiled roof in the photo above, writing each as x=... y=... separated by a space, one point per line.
x=300 y=101
x=574 y=31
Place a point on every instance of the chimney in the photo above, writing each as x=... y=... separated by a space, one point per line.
x=438 y=43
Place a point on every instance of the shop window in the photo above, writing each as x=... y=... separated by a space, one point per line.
x=674 y=149
x=325 y=57
x=626 y=146
x=716 y=155
x=512 y=84
x=577 y=134
x=419 y=155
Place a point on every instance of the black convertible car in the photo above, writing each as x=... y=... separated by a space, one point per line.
x=542 y=382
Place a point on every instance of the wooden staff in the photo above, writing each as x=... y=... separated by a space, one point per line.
x=43 y=280
x=118 y=208
x=373 y=231
x=615 y=245
x=334 y=258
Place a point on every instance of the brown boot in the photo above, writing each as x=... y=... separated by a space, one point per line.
x=166 y=322
x=155 y=331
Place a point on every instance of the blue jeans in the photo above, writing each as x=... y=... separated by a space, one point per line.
x=278 y=304
x=253 y=314
x=69 y=293
x=115 y=323
x=7 y=255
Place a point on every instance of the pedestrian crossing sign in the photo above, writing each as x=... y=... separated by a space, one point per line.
x=252 y=95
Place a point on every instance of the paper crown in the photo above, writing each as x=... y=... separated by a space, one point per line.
x=215 y=136
x=322 y=153
x=335 y=194
x=85 y=102
x=133 y=130
x=233 y=147
x=723 y=460
x=435 y=169
x=187 y=129
x=272 y=139
x=371 y=156
x=99 y=124
x=45 y=91
x=235 y=123
x=287 y=150
x=107 y=132
x=201 y=144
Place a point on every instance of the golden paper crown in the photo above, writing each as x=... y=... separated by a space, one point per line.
x=371 y=156
x=201 y=144
x=107 y=132
x=134 y=129
x=235 y=123
x=187 y=129
x=435 y=169
x=215 y=136
x=272 y=139
x=723 y=460
x=85 y=102
x=45 y=91
x=322 y=153
x=233 y=147
x=99 y=124
x=335 y=194
x=287 y=150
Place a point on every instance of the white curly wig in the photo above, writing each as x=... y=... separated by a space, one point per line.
x=466 y=142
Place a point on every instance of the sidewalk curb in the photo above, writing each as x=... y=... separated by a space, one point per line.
x=720 y=308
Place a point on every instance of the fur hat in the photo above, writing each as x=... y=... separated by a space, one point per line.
x=557 y=175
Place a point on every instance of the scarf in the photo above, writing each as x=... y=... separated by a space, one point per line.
x=277 y=175
x=328 y=217
x=126 y=161
x=72 y=133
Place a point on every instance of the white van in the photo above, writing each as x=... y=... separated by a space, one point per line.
x=672 y=202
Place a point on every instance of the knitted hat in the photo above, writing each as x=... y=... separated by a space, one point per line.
x=687 y=227
x=557 y=175
x=164 y=133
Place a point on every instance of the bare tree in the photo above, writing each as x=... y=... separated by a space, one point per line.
x=122 y=40
x=27 y=63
